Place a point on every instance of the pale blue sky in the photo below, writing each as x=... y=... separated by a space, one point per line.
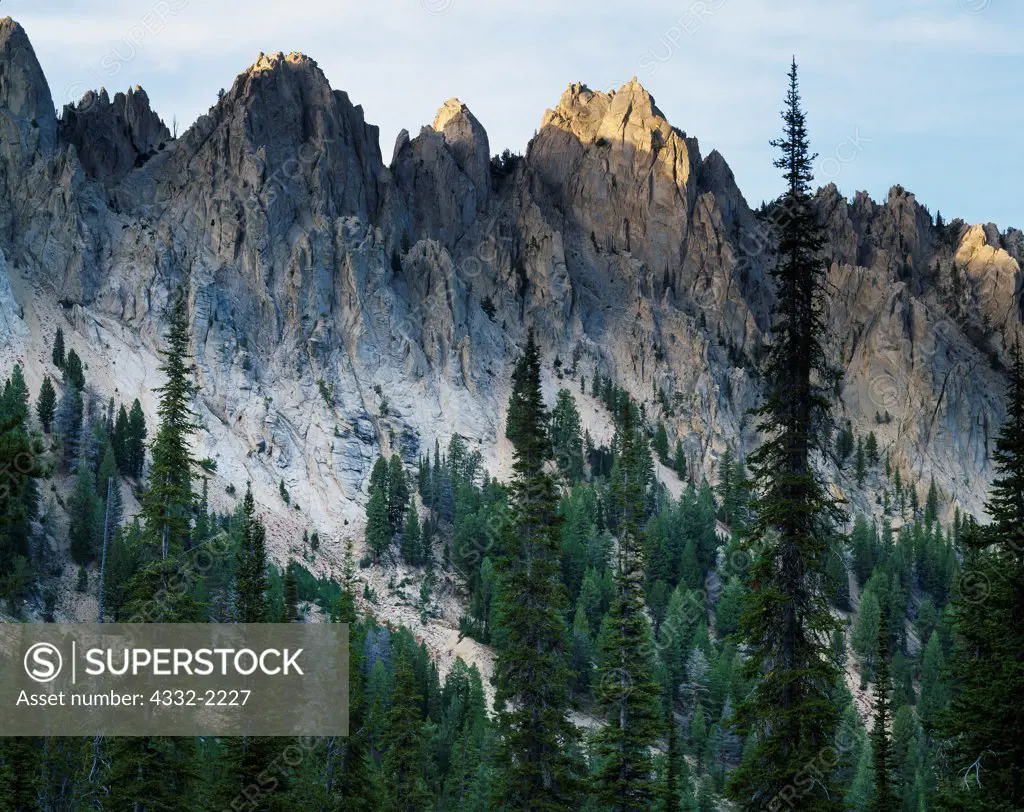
x=930 y=90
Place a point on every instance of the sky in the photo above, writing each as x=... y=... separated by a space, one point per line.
x=921 y=93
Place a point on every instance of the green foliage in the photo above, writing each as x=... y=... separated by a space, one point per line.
x=46 y=407
x=788 y=625
x=74 y=372
x=58 y=355
x=532 y=674
x=167 y=504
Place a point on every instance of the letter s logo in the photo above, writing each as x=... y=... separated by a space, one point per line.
x=43 y=662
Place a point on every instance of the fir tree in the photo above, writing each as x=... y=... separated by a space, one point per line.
x=135 y=441
x=251 y=570
x=788 y=624
x=58 y=349
x=860 y=466
x=398 y=494
x=660 y=443
x=982 y=726
x=871 y=449
x=378 y=528
x=628 y=694
x=531 y=669
x=680 y=461
x=883 y=798
x=405 y=757
x=412 y=549
x=86 y=521
x=74 y=373
x=167 y=504
x=46 y=407
x=68 y=422
x=566 y=441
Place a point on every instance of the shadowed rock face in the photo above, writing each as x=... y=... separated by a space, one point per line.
x=322 y=283
x=113 y=137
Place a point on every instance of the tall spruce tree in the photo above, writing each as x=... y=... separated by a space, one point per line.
x=982 y=728
x=167 y=504
x=532 y=674
x=787 y=624
x=58 y=349
x=251 y=571
x=884 y=797
x=46 y=406
x=135 y=441
x=406 y=758
x=627 y=692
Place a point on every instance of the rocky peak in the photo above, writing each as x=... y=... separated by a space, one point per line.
x=467 y=140
x=25 y=99
x=113 y=137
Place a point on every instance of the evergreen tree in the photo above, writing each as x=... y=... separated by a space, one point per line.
x=871 y=449
x=883 y=798
x=86 y=521
x=660 y=443
x=982 y=727
x=398 y=494
x=167 y=504
x=251 y=570
x=566 y=441
x=405 y=757
x=74 y=373
x=931 y=504
x=135 y=441
x=46 y=407
x=58 y=349
x=531 y=671
x=680 y=461
x=628 y=694
x=378 y=527
x=21 y=774
x=788 y=624
x=119 y=438
x=412 y=545
x=68 y=422
x=291 y=594
x=860 y=466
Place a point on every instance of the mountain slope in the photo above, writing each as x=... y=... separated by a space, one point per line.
x=322 y=282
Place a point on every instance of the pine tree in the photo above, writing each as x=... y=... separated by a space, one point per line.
x=982 y=726
x=627 y=693
x=291 y=594
x=167 y=504
x=84 y=507
x=871 y=449
x=788 y=624
x=58 y=349
x=412 y=549
x=68 y=422
x=531 y=670
x=119 y=438
x=931 y=504
x=680 y=461
x=660 y=443
x=378 y=528
x=860 y=469
x=398 y=494
x=884 y=798
x=251 y=570
x=566 y=441
x=405 y=758
x=21 y=773
x=46 y=407
x=74 y=373
x=135 y=441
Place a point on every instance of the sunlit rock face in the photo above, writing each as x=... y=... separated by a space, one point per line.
x=342 y=308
